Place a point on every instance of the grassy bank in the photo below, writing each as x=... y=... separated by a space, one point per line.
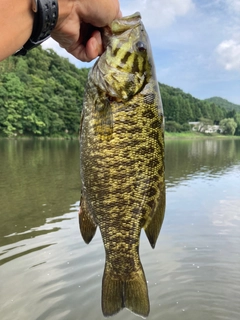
x=196 y=135
x=168 y=136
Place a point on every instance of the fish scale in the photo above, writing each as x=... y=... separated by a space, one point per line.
x=122 y=161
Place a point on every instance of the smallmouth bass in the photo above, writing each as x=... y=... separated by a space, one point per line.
x=122 y=161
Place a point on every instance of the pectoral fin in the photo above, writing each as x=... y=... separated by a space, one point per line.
x=86 y=223
x=153 y=228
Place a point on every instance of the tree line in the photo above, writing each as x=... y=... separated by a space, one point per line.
x=41 y=94
x=181 y=108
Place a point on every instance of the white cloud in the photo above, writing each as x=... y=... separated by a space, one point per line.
x=228 y=50
x=229 y=54
x=234 y=5
x=159 y=14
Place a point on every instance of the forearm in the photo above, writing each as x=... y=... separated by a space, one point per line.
x=16 y=17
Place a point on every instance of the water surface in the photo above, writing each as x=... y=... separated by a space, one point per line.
x=48 y=272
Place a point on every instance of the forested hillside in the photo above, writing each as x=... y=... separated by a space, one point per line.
x=41 y=94
x=182 y=107
x=224 y=103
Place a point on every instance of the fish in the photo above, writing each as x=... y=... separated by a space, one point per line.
x=122 y=161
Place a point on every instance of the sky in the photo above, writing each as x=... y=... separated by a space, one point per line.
x=195 y=44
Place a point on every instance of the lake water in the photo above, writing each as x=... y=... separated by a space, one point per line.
x=48 y=272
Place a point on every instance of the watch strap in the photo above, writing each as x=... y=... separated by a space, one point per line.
x=45 y=19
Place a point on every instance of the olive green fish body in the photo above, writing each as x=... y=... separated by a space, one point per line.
x=122 y=161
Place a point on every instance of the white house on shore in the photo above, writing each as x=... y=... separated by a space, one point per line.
x=205 y=128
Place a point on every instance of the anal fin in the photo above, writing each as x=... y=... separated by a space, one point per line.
x=153 y=228
x=86 y=223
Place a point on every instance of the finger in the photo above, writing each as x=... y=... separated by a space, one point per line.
x=91 y=50
x=119 y=15
x=96 y=42
x=80 y=53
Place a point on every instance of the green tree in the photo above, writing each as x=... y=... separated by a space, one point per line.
x=237 y=120
x=196 y=110
x=12 y=104
x=172 y=126
x=228 y=126
x=40 y=94
x=205 y=109
x=215 y=113
x=185 y=115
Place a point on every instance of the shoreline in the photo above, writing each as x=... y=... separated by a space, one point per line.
x=167 y=136
x=196 y=136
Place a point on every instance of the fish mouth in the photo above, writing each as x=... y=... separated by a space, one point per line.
x=119 y=26
x=125 y=23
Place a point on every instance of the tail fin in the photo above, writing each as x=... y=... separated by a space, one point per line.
x=136 y=294
x=112 y=294
x=131 y=294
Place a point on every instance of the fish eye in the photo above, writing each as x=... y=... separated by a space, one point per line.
x=141 y=46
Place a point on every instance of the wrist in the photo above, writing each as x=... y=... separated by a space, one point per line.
x=45 y=19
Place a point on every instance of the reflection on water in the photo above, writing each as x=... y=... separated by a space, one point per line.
x=39 y=179
x=206 y=158
x=48 y=272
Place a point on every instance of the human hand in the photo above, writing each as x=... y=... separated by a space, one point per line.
x=78 y=23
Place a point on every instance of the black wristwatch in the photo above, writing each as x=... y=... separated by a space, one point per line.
x=45 y=19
